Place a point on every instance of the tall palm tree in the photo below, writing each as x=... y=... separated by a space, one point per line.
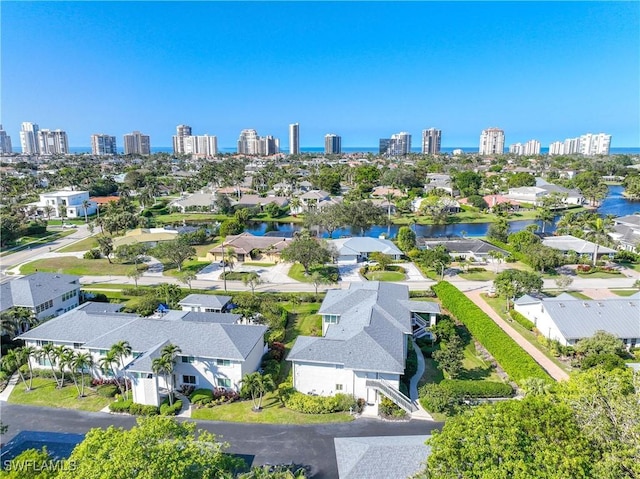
x=85 y=206
x=30 y=353
x=48 y=210
x=63 y=356
x=108 y=365
x=13 y=360
x=257 y=385
x=121 y=350
x=17 y=320
x=82 y=362
x=169 y=353
x=161 y=365
x=545 y=215
x=48 y=351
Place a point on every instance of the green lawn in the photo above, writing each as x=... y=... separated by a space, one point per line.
x=272 y=413
x=599 y=275
x=189 y=265
x=475 y=367
x=297 y=272
x=203 y=249
x=624 y=292
x=579 y=295
x=385 y=276
x=45 y=393
x=82 y=245
x=479 y=275
x=633 y=266
x=27 y=241
x=263 y=265
x=236 y=275
x=303 y=321
x=80 y=267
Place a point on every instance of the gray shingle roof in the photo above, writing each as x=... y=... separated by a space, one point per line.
x=94 y=308
x=205 y=300
x=370 y=333
x=571 y=243
x=421 y=306
x=364 y=244
x=37 y=288
x=475 y=246
x=389 y=457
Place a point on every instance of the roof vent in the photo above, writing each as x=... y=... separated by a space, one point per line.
x=631 y=303
x=601 y=304
x=586 y=305
x=561 y=305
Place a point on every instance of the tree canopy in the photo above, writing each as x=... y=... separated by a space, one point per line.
x=307 y=251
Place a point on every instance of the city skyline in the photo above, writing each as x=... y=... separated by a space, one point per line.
x=527 y=67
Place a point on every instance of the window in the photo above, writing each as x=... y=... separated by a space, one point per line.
x=339 y=366
x=224 y=382
x=186 y=379
x=338 y=387
x=187 y=359
x=223 y=362
x=331 y=318
x=77 y=345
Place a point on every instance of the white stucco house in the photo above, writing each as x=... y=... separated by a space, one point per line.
x=569 y=319
x=357 y=249
x=46 y=294
x=74 y=201
x=205 y=303
x=215 y=350
x=536 y=194
x=363 y=347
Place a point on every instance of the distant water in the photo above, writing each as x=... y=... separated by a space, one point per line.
x=350 y=149
x=616 y=204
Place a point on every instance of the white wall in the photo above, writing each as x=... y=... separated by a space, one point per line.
x=537 y=314
x=252 y=363
x=321 y=379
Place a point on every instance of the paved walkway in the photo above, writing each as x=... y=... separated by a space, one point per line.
x=413 y=386
x=599 y=293
x=554 y=371
x=6 y=392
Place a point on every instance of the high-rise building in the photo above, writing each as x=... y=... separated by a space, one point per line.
x=431 y=140
x=5 y=142
x=598 y=144
x=182 y=131
x=332 y=144
x=294 y=139
x=249 y=143
x=29 y=138
x=516 y=149
x=53 y=142
x=136 y=143
x=531 y=147
x=203 y=146
x=102 y=144
x=492 y=141
x=556 y=148
x=398 y=145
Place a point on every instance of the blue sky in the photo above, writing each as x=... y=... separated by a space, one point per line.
x=362 y=70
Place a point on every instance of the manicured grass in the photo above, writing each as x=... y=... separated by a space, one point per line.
x=81 y=267
x=297 y=272
x=579 y=295
x=633 y=266
x=498 y=304
x=189 y=265
x=475 y=367
x=82 y=245
x=236 y=275
x=272 y=413
x=385 y=276
x=203 y=249
x=479 y=275
x=45 y=393
x=263 y=265
x=28 y=241
x=624 y=292
x=303 y=321
x=599 y=275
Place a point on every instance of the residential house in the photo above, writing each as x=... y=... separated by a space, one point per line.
x=568 y=243
x=626 y=232
x=475 y=249
x=46 y=294
x=357 y=249
x=496 y=200
x=195 y=202
x=363 y=347
x=383 y=191
x=205 y=303
x=568 y=319
x=149 y=236
x=439 y=181
x=248 y=247
x=535 y=194
x=315 y=200
x=447 y=203
x=75 y=202
x=215 y=351
x=257 y=201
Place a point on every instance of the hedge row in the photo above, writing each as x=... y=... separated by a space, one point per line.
x=513 y=359
x=167 y=410
x=320 y=404
x=519 y=318
x=478 y=389
x=136 y=409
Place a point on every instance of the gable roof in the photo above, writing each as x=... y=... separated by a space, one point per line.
x=364 y=244
x=244 y=243
x=571 y=243
x=468 y=245
x=35 y=289
x=391 y=457
x=370 y=331
x=205 y=300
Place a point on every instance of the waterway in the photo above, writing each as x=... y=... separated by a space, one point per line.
x=615 y=203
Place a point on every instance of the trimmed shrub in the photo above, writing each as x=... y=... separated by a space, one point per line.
x=438 y=399
x=143 y=410
x=167 y=410
x=92 y=254
x=390 y=410
x=520 y=319
x=121 y=406
x=297 y=401
x=107 y=390
x=477 y=389
x=201 y=396
x=513 y=359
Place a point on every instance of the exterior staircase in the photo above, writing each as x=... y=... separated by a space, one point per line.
x=392 y=393
x=420 y=326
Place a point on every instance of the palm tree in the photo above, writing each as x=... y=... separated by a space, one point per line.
x=17 y=320
x=161 y=365
x=85 y=206
x=81 y=362
x=13 y=361
x=545 y=215
x=121 y=350
x=169 y=353
x=48 y=210
x=232 y=257
x=63 y=356
x=108 y=365
x=48 y=351
x=29 y=353
x=63 y=212
x=294 y=204
x=497 y=257
x=257 y=385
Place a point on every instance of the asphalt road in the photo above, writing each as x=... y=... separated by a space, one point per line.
x=274 y=444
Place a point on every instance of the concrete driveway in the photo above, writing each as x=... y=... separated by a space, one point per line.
x=349 y=272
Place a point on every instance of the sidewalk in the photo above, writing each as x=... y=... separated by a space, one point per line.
x=554 y=371
x=13 y=381
x=413 y=387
